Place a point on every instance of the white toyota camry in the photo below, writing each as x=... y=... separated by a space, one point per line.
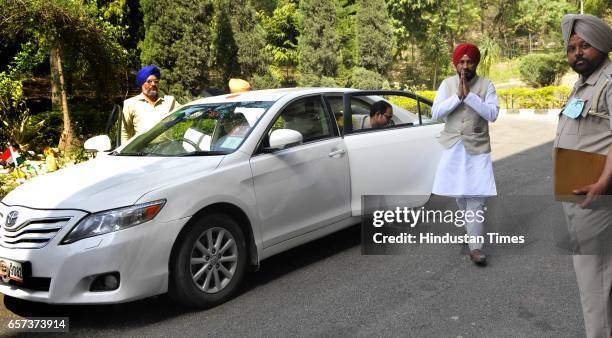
x=213 y=189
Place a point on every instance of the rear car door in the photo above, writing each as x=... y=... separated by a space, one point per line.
x=395 y=160
x=306 y=186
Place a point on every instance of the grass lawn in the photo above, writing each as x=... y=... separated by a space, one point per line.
x=505 y=71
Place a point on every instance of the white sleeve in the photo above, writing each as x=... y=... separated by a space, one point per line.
x=487 y=109
x=442 y=107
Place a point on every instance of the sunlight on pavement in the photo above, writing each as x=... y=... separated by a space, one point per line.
x=512 y=134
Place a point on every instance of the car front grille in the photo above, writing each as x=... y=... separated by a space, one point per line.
x=32 y=234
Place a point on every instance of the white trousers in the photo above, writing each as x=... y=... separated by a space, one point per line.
x=474 y=228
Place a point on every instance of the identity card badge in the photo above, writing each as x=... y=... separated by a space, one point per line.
x=574 y=108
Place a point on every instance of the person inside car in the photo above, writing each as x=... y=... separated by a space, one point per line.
x=381 y=115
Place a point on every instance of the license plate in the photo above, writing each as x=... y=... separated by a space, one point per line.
x=10 y=270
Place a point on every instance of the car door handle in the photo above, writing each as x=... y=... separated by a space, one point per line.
x=337 y=153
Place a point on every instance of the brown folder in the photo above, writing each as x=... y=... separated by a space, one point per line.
x=575 y=169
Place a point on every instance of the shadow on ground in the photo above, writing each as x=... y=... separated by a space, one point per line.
x=162 y=308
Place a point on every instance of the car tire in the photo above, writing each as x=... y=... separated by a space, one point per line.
x=208 y=262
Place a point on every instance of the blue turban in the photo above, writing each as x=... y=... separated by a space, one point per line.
x=145 y=72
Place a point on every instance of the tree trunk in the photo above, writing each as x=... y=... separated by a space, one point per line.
x=435 y=75
x=529 y=42
x=66 y=139
x=56 y=102
x=483 y=8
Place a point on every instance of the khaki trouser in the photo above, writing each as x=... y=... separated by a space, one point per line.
x=594 y=276
x=591 y=230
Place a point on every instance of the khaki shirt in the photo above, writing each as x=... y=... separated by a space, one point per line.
x=592 y=130
x=139 y=115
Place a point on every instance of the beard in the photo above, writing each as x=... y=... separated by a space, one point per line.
x=469 y=75
x=585 y=68
x=150 y=92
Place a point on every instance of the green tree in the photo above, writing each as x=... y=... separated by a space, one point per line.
x=178 y=39
x=127 y=14
x=362 y=78
x=318 y=41
x=74 y=35
x=281 y=35
x=426 y=31
x=601 y=8
x=410 y=20
x=490 y=53
x=537 y=18
x=347 y=43
x=374 y=36
x=250 y=38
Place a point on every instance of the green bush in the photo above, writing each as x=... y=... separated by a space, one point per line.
x=542 y=69
x=362 y=78
x=7 y=183
x=327 y=81
x=411 y=104
x=265 y=81
x=541 y=98
x=88 y=120
x=550 y=97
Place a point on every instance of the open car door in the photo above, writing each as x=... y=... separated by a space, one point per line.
x=400 y=159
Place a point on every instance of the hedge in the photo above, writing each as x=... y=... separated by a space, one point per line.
x=550 y=97
x=410 y=104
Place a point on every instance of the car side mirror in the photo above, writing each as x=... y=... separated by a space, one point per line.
x=282 y=138
x=98 y=144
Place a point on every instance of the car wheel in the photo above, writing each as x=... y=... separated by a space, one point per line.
x=208 y=262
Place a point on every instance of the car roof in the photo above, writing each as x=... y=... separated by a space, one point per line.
x=268 y=94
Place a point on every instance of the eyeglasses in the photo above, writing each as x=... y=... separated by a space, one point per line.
x=152 y=82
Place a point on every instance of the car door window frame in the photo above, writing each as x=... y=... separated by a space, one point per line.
x=348 y=112
x=339 y=95
x=332 y=125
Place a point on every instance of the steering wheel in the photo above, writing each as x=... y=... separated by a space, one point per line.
x=191 y=143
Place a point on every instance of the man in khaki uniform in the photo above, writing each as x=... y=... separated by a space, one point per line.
x=142 y=112
x=585 y=125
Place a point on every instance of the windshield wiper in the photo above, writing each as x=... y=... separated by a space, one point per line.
x=206 y=153
x=141 y=153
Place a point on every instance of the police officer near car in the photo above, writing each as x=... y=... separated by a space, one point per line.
x=585 y=125
x=143 y=111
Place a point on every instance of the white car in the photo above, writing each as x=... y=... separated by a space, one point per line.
x=213 y=189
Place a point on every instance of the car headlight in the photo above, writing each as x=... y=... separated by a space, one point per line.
x=113 y=220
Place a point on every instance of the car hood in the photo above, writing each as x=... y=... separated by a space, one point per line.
x=106 y=182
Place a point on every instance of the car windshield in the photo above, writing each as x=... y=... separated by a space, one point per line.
x=204 y=129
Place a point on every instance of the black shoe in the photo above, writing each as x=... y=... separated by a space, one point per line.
x=478 y=257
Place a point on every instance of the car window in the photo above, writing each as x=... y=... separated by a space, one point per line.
x=360 y=109
x=361 y=112
x=204 y=129
x=306 y=116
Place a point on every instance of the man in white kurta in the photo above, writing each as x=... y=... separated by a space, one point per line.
x=467 y=103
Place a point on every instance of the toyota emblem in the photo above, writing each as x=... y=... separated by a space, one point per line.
x=11 y=219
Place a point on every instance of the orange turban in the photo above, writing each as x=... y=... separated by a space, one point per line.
x=239 y=85
x=466 y=49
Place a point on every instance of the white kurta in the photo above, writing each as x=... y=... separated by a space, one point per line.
x=459 y=173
